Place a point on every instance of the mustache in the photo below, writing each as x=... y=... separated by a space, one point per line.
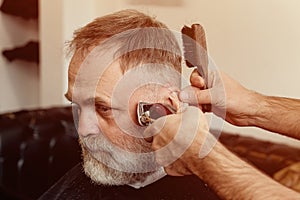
x=99 y=142
x=93 y=143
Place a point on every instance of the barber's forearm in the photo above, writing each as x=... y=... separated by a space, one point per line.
x=232 y=178
x=277 y=114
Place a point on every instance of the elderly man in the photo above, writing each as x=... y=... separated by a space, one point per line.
x=120 y=61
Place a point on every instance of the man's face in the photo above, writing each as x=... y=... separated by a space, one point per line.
x=110 y=138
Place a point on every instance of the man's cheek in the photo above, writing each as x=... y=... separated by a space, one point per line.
x=126 y=119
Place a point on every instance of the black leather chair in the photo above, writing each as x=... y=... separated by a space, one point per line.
x=36 y=148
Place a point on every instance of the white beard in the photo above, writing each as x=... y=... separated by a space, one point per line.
x=108 y=164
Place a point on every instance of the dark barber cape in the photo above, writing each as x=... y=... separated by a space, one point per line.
x=76 y=185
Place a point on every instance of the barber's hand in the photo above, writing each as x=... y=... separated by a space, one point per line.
x=229 y=99
x=177 y=140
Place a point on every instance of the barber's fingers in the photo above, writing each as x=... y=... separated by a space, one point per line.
x=195 y=96
x=196 y=80
x=155 y=128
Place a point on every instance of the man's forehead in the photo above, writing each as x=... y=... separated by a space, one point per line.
x=91 y=80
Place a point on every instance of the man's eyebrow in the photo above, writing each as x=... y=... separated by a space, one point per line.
x=95 y=100
x=100 y=100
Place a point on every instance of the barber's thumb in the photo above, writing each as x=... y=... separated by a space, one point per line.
x=195 y=96
x=197 y=80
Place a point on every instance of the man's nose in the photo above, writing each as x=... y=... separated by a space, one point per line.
x=87 y=124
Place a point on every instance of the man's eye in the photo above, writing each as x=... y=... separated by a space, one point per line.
x=104 y=110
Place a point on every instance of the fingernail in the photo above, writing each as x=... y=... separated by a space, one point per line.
x=183 y=95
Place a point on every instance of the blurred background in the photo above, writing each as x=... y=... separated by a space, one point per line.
x=256 y=42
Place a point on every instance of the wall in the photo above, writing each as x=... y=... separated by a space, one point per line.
x=19 y=80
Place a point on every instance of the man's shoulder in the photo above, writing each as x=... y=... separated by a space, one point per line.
x=72 y=184
x=76 y=185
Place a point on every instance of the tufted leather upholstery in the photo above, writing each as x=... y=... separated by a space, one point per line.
x=266 y=156
x=36 y=148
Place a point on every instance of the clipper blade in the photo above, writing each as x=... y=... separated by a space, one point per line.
x=147 y=113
